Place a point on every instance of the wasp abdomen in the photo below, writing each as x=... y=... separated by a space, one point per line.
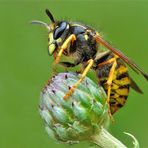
x=120 y=84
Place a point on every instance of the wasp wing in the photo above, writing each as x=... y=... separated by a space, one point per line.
x=135 y=86
x=134 y=66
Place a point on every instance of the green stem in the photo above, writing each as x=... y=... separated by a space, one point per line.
x=105 y=140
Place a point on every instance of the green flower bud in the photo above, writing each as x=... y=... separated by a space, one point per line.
x=78 y=118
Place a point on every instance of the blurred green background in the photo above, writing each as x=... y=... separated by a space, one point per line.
x=25 y=65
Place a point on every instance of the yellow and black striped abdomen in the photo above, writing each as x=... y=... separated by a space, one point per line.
x=120 y=84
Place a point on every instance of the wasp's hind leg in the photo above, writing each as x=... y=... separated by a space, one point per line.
x=70 y=39
x=71 y=90
x=110 y=78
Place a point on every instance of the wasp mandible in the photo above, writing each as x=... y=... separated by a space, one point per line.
x=82 y=43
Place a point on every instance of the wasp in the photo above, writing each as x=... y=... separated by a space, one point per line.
x=83 y=43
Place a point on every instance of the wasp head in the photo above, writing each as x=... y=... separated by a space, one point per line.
x=57 y=32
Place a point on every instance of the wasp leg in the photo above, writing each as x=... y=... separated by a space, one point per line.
x=106 y=62
x=110 y=78
x=71 y=38
x=71 y=90
x=109 y=83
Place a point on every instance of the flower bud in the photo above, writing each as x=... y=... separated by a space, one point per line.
x=80 y=116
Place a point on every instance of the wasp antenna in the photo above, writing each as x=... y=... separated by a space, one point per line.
x=50 y=15
x=40 y=23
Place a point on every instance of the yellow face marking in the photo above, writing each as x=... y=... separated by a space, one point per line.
x=52 y=26
x=51 y=48
x=59 y=40
x=50 y=36
x=67 y=26
x=86 y=37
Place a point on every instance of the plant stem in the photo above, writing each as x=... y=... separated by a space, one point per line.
x=105 y=140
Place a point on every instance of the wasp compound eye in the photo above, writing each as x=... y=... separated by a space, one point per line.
x=59 y=30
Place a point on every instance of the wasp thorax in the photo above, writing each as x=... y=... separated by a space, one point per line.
x=58 y=36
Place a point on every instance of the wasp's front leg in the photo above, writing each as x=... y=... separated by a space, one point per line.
x=70 y=39
x=71 y=90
